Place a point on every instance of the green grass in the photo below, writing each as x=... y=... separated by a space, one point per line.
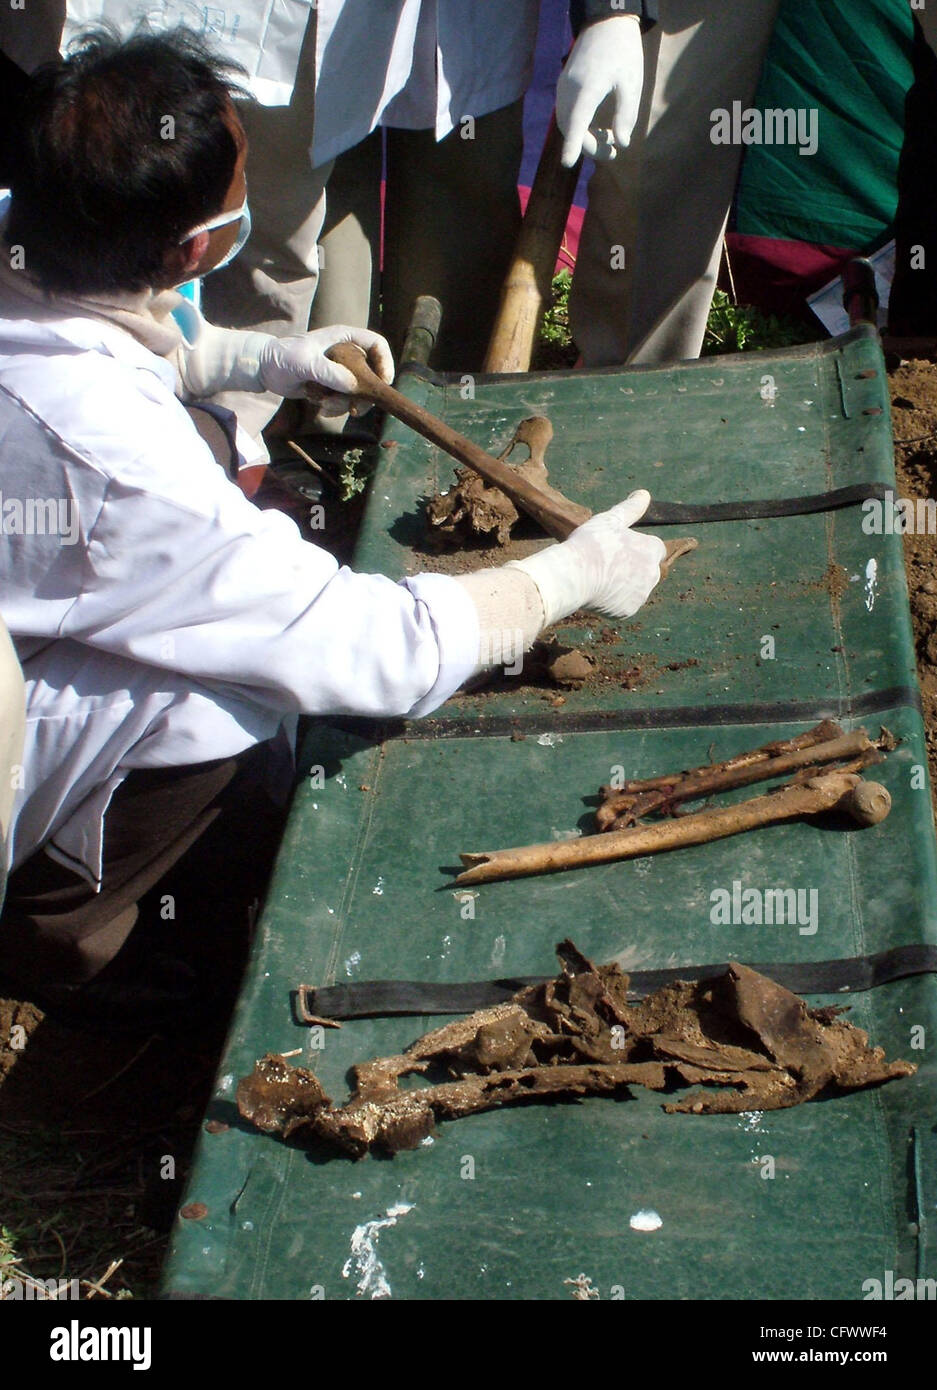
x=743 y=328
x=731 y=328
x=556 y=349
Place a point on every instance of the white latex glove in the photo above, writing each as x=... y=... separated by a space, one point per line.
x=607 y=60
x=603 y=565
x=289 y=365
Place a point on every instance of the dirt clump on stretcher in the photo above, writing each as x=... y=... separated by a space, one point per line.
x=753 y=1044
x=472 y=509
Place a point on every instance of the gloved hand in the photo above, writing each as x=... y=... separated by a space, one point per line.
x=603 y=565
x=607 y=60
x=289 y=365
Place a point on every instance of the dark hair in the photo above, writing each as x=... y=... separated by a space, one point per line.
x=123 y=148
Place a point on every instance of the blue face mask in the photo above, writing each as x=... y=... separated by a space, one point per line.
x=222 y=220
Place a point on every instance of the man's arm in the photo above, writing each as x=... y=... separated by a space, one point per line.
x=605 y=68
x=179 y=571
x=588 y=11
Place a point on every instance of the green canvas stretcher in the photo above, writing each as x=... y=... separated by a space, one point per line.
x=812 y=1202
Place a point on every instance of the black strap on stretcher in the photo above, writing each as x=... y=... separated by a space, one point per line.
x=670 y=513
x=384 y=998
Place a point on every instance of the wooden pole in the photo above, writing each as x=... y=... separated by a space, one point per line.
x=528 y=285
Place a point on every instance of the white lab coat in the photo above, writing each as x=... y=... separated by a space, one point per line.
x=417 y=64
x=161 y=619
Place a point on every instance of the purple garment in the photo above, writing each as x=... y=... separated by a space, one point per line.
x=553 y=42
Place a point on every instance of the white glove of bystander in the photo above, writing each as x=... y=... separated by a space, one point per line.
x=603 y=565
x=607 y=60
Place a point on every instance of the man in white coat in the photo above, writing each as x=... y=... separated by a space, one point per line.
x=168 y=630
x=447 y=77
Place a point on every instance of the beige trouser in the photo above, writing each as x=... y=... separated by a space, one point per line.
x=30 y=32
x=450 y=223
x=451 y=220
x=270 y=285
x=927 y=18
x=12 y=723
x=348 y=285
x=662 y=205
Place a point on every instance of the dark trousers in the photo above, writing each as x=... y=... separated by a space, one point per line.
x=186 y=851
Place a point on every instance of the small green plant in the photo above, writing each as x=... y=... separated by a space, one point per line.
x=8 y=1255
x=11 y=1265
x=555 y=328
x=555 y=349
x=743 y=328
x=731 y=328
x=353 y=473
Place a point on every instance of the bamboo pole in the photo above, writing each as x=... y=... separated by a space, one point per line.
x=528 y=283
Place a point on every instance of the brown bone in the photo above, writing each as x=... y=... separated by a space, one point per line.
x=749 y=1041
x=822 y=733
x=636 y=799
x=867 y=802
x=556 y=514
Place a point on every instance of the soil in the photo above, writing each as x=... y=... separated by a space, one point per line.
x=834 y=579
x=914 y=408
x=88 y=1119
x=96 y=1135
x=527 y=538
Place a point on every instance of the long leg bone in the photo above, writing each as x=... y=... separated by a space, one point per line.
x=558 y=516
x=867 y=802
